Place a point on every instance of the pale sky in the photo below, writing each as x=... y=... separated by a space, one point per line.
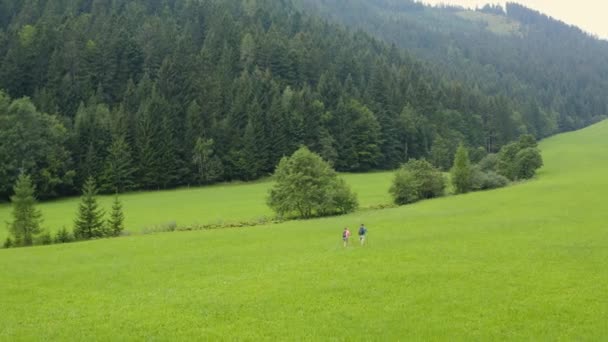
x=589 y=15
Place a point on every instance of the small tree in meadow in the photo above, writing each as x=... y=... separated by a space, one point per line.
x=26 y=218
x=89 y=222
x=461 y=171
x=117 y=218
x=307 y=186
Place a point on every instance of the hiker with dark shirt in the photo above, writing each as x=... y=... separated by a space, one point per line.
x=362 y=234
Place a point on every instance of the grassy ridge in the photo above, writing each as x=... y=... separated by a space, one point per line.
x=213 y=204
x=521 y=263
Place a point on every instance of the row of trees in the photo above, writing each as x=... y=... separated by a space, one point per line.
x=26 y=228
x=149 y=95
x=307 y=186
x=419 y=179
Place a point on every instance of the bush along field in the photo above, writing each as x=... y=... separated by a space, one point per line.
x=525 y=262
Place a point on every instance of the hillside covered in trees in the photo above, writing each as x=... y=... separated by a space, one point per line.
x=555 y=75
x=158 y=94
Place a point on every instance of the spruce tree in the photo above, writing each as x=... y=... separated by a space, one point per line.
x=117 y=218
x=461 y=171
x=26 y=218
x=89 y=222
x=118 y=171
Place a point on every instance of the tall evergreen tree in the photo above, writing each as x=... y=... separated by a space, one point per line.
x=89 y=221
x=118 y=172
x=116 y=222
x=26 y=218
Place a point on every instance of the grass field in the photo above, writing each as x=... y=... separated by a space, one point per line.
x=526 y=262
x=213 y=204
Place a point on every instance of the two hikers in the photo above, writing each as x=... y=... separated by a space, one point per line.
x=362 y=235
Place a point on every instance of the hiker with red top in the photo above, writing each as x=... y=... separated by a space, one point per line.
x=345 y=236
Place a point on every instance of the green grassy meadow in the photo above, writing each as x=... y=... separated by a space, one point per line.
x=527 y=262
x=213 y=204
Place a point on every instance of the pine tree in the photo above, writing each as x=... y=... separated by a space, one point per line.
x=26 y=218
x=461 y=171
x=89 y=222
x=117 y=218
x=118 y=171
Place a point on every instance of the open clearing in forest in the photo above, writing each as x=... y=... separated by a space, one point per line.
x=527 y=262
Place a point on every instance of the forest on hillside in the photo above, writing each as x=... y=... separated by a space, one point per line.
x=158 y=94
x=534 y=60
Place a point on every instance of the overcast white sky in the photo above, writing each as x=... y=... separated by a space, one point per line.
x=589 y=15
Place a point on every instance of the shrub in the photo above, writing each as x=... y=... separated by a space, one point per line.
x=487 y=180
x=8 y=243
x=417 y=180
x=44 y=239
x=489 y=163
x=527 y=161
x=405 y=187
x=63 y=236
x=519 y=160
x=477 y=154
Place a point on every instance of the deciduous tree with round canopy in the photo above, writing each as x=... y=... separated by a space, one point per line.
x=307 y=186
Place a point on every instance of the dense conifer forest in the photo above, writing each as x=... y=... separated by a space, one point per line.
x=165 y=93
x=555 y=75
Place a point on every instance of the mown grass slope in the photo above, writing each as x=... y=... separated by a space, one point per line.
x=222 y=203
x=526 y=262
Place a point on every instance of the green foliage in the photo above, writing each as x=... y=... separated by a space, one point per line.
x=455 y=237
x=260 y=79
x=34 y=143
x=307 y=186
x=118 y=175
x=25 y=225
x=496 y=53
x=339 y=199
x=89 y=221
x=519 y=160
x=44 y=239
x=405 y=187
x=134 y=94
x=489 y=163
x=8 y=243
x=486 y=179
x=205 y=205
x=63 y=236
x=208 y=166
x=461 y=171
x=527 y=162
x=116 y=223
x=417 y=180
